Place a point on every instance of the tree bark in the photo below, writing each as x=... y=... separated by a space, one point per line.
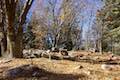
x=14 y=40
x=19 y=43
x=10 y=43
x=3 y=39
x=10 y=10
x=100 y=46
x=4 y=46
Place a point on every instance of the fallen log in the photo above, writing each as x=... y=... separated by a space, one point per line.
x=58 y=56
x=51 y=56
x=80 y=59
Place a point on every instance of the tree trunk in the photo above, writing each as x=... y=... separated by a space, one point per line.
x=100 y=46
x=11 y=40
x=3 y=42
x=19 y=43
x=14 y=46
x=10 y=46
x=14 y=43
x=3 y=46
x=112 y=45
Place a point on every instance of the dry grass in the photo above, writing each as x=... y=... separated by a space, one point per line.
x=64 y=69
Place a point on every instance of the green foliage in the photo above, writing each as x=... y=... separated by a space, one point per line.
x=110 y=17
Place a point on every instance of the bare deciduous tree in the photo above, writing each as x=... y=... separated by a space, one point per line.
x=14 y=37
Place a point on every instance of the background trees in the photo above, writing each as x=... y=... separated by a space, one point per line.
x=59 y=24
x=108 y=20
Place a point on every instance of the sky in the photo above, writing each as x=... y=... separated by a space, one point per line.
x=92 y=6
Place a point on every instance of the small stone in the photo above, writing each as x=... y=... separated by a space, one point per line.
x=87 y=72
x=79 y=67
x=106 y=67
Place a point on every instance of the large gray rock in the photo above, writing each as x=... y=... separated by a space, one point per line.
x=63 y=52
x=53 y=49
x=92 y=50
x=38 y=52
x=32 y=52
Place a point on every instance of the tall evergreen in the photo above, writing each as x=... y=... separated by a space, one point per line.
x=109 y=15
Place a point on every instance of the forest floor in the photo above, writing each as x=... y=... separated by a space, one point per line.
x=12 y=69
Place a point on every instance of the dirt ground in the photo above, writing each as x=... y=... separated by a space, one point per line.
x=60 y=69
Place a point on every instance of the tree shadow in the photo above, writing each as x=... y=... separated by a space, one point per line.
x=2 y=69
x=30 y=72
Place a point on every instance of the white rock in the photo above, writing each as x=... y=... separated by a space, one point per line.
x=106 y=67
x=92 y=50
x=87 y=72
x=25 y=51
x=78 y=67
x=48 y=51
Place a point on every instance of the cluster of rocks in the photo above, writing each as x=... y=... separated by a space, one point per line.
x=36 y=53
x=32 y=53
x=92 y=50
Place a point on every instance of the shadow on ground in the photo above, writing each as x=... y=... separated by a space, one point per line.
x=30 y=72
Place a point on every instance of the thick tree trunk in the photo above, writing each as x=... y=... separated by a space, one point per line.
x=3 y=39
x=3 y=42
x=4 y=46
x=10 y=46
x=14 y=43
x=19 y=43
x=11 y=40
x=10 y=10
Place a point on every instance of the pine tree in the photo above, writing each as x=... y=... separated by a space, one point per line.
x=110 y=18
